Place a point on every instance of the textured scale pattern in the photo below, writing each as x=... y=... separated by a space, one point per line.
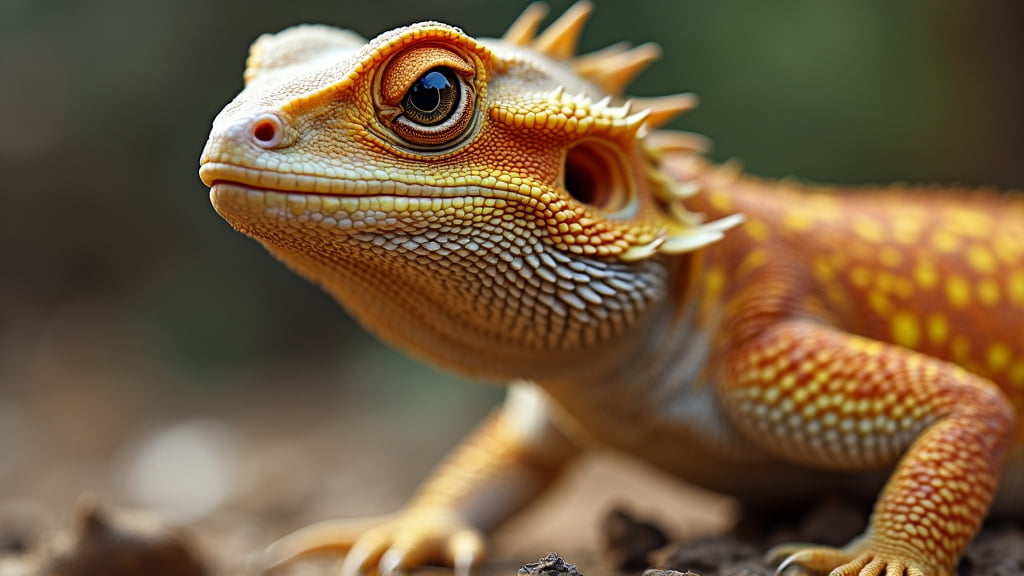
x=527 y=223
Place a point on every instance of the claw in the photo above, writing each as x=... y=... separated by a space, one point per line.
x=364 y=556
x=808 y=558
x=391 y=563
x=466 y=550
x=388 y=546
x=328 y=537
x=783 y=553
x=857 y=559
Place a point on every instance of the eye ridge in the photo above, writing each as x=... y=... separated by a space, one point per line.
x=432 y=99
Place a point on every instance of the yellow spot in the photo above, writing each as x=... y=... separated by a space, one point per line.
x=981 y=259
x=958 y=290
x=988 y=292
x=1007 y=248
x=944 y=241
x=757 y=229
x=879 y=302
x=714 y=282
x=970 y=222
x=721 y=200
x=825 y=206
x=860 y=276
x=1015 y=287
x=1017 y=374
x=926 y=275
x=998 y=357
x=961 y=349
x=938 y=328
x=823 y=269
x=797 y=221
x=906 y=230
x=753 y=260
x=869 y=229
x=906 y=330
x=884 y=281
x=890 y=257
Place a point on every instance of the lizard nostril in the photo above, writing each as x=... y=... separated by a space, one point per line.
x=267 y=130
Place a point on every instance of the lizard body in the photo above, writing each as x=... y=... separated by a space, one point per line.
x=494 y=207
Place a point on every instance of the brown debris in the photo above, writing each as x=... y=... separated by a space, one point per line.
x=550 y=565
x=123 y=546
x=723 y=555
x=998 y=551
x=22 y=524
x=628 y=541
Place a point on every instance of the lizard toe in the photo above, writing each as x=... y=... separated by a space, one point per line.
x=433 y=540
x=367 y=553
x=857 y=559
x=804 y=559
x=328 y=537
x=387 y=545
x=461 y=549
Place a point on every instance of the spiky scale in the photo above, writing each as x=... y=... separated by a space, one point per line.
x=614 y=72
x=560 y=38
x=665 y=108
x=677 y=142
x=523 y=31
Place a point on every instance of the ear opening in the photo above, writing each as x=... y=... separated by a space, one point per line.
x=595 y=175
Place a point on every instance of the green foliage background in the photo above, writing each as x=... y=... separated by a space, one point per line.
x=108 y=243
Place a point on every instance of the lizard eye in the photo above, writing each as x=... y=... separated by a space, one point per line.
x=427 y=97
x=433 y=97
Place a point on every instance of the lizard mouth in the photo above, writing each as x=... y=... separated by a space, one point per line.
x=252 y=199
x=219 y=176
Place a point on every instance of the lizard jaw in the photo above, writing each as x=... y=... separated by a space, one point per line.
x=215 y=173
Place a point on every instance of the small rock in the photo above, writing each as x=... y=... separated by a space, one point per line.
x=628 y=541
x=123 y=546
x=21 y=525
x=710 y=557
x=550 y=565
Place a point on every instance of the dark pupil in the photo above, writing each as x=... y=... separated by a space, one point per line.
x=426 y=92
x=432 y=98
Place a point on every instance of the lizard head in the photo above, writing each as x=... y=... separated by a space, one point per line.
x=494 y=206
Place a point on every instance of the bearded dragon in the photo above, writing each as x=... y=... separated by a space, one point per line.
x=496 y=207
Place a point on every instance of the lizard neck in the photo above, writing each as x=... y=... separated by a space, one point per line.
x=547 y=317
x=659 y=357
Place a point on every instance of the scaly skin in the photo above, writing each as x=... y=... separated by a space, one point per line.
x=481 y=205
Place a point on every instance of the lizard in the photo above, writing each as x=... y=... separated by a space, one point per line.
x=499 y=208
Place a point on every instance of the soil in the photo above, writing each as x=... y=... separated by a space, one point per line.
x=268 y=461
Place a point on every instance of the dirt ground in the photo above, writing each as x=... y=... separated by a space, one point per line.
x=235 y=470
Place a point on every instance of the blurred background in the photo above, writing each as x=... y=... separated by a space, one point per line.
x=141 y=337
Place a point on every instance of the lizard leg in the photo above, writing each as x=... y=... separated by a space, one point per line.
x=812 y=394
x=511 y=458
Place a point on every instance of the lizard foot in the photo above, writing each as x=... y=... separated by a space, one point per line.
x=386 y=545
x=859 y=558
